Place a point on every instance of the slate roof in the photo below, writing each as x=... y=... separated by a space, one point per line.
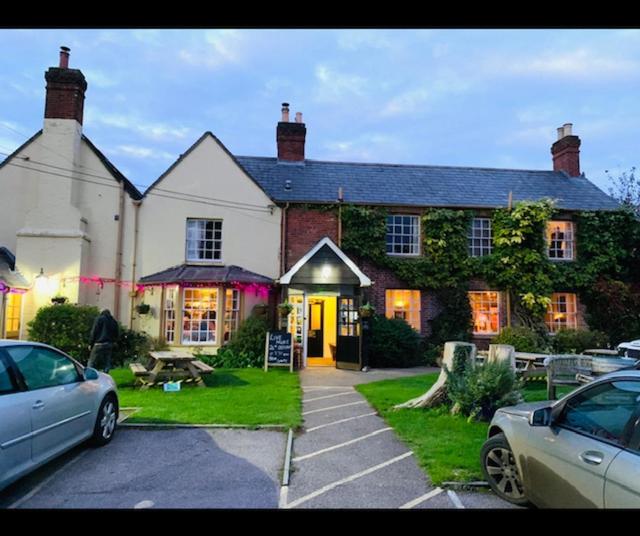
x=409 y=185
x=189 y=273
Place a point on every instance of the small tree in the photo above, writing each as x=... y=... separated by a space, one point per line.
x=626 y=189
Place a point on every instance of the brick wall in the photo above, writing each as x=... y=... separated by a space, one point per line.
x=306 y=227
x=65 y=94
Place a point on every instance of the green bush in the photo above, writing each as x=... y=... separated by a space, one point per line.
x=131 y=346
x=394 y=343
x=570 y=341
x=479 y=391
x=523 y=339
x=65 y=326
x=454 y=322
x=246 y=348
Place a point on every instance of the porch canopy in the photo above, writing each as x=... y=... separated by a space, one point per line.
x=189 y=274
x=10 y=278
x=325 y=264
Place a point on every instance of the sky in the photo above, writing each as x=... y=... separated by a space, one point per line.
x=480 y=98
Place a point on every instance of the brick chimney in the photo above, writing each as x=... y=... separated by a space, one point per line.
x=65 y=90
x=290 y=137
x=566 y=152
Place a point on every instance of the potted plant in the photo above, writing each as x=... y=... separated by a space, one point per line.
x=143 y=308
x=285 y=309
x=59 y=299
x=366 y=310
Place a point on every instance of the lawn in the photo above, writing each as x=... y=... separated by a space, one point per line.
x=248 y=397
x=447 y=447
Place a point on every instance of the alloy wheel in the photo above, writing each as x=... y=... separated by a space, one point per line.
x=502 y=469
x=108 y=421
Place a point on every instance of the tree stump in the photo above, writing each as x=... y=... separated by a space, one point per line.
x=502 y=352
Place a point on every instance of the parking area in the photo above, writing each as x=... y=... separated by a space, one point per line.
x=178 y=468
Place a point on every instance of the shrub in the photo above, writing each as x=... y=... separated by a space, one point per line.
x=394 y=343
x=131 y=346
x=65 y=326
x=246 y=348
x=570 y=341
x=523 y=339
x=477 y=392
x=453 y=323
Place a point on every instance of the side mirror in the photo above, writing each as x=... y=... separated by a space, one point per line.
x=541 y=417
x=90 y=374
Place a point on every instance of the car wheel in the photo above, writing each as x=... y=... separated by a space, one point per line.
x=106 y=421
x=500 y=470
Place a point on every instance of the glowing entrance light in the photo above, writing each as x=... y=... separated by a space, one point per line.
x=41 y=282
x=325 y=273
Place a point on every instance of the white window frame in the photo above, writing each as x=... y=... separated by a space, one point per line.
x=570 y=314
x=410 y=312
x=208 y=342
x=196 y=228
x=231 y=315
x=169 y=314
x=566 y=244
x=486 y=311
x=476 y=237
x=394 y=239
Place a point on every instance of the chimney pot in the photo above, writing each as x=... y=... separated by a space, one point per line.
x=566 y=151
x=64 y=57
x=298 y=117
x=567 y=128
x=285 y=112
x=560 y=133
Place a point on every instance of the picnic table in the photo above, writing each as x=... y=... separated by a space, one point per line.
x=170 y=366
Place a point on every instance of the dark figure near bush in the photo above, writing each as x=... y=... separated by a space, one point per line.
x=104 y=334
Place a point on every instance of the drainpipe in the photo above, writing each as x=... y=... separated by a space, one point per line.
x=340 y=200
x=119 y=240
x=132 y=294
x=2 y=313
x=283 y=239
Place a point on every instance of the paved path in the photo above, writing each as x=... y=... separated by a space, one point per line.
x=347 y=456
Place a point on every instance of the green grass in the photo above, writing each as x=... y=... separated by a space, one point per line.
x=248 y=397
x=447 y=446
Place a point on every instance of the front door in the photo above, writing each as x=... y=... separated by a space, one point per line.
x=315 y=335
x=348 y=340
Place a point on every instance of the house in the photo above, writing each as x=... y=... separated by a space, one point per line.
x=217 y=235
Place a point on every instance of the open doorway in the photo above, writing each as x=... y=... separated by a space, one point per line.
x=321 y=333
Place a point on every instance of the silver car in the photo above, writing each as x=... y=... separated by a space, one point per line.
x=582 y=451
x=48 y=404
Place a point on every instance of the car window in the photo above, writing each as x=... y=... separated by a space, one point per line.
x=42 y=367
x=603 y=411
x=6 y=381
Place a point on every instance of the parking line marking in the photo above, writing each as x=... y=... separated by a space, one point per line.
x=144 y=504
x=422 y=499
x=346 y=443
x=329 y=487
x=455 y=499
x=339 y=422
x=333 y=407
x=42 y=484
x=325 y=387
x=331 y=396
x=284 y=494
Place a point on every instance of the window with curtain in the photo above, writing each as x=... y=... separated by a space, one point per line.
x=403 y=304
x=485 y=310
x=560 y=241
x=204 y=240
x=170 y=295
x=199 y=315
x=562 y=312
x=231 y=313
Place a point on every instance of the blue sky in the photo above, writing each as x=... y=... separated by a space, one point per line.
x=483 y=98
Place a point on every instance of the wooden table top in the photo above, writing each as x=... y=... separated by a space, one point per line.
x=173 y=355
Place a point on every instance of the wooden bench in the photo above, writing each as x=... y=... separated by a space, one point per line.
x=138 y=369
x=564 y=370
x=202 y=367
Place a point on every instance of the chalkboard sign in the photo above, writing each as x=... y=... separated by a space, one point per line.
x=278 y=351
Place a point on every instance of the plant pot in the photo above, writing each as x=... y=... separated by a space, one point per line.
x=143 y=309
x=59 y=299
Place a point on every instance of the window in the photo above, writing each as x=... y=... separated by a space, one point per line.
x=348 y=325
x=480 y=237
x=604 y=411
x=12 y=324
x=170 y=295
x=403 y=235
x=204 y=240
x=231 y=313
x=6 y=378
x=199 y=314
x=404 y=304
x=485 y=310
x=41 y=367
x=560 y=240
x=562 y=312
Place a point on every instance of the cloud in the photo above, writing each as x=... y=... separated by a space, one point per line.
x=334 y=86
x=354 y=40
x=365 y=148
x=407 y=103
x=136 y=151
x=151 y=130
x=99 y=78
x=220 y=47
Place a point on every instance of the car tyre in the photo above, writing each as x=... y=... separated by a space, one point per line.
x=106 y=421
x=500 y=470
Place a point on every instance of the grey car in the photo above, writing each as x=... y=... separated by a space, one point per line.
x=582 y=451
x=48 y=404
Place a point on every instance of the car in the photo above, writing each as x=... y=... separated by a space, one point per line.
x=49 y=403
x=629 y=349
x=582 y=451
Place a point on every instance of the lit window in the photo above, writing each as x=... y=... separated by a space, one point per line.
x=562 y=312
x=199 y=315
x=170 y=294
x=12 y=321
x=403 y=235
x=480 y=237
x=231 y=313
x=404 y=304
x=204 y=240
x=485 y=309
x=560 y=240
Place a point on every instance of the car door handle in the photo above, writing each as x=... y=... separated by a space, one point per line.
x=592 y=457
x=38 y=405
